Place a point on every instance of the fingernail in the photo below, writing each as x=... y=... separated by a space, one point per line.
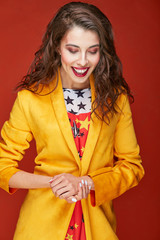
x=80 y=184
x=74 y=200
x=89 y=187
x=86 y=182
x=82 y=181
x=51 y=180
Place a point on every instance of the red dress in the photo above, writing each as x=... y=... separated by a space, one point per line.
x=78 y=105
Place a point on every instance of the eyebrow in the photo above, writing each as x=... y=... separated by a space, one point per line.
x=73 y=45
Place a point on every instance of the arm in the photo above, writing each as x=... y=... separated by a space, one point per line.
x=16 y=135
x=27 y=180
x=111 y=182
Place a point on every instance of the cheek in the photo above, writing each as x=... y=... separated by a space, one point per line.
x=66 y=58
x=95 y=61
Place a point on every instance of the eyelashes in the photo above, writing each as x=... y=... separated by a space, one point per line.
x=72 y=51
x=76 y=51
x=93 y=52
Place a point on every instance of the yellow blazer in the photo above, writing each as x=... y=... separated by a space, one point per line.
x=44 y=118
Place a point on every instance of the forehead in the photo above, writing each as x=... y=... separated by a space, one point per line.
x=80 y=37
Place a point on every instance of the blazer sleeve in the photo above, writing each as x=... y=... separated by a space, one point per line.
x=127 y=171
x=15 y=138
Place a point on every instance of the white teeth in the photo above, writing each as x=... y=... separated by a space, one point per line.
x=80 y=71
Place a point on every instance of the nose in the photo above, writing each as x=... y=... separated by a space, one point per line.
x=82 y=61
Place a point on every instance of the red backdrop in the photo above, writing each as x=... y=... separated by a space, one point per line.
x=137 y=38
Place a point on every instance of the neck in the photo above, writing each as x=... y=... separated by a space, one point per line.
x=75 y=86
x=68 y=83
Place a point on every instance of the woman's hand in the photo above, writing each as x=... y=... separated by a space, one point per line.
x=64 y=185
x=83 y=191
x=71 y=188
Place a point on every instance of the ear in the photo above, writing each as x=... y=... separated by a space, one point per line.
x=58 y=50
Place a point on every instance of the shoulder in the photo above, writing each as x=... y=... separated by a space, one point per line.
x=25 y=95
x=121 y=102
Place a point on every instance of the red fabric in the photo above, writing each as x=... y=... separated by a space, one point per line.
x=80 y=126
x=76 y=229
x=92 y=195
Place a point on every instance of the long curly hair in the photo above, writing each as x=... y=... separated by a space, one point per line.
x=109 y=81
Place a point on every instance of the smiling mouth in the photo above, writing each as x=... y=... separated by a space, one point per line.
x=80 y=72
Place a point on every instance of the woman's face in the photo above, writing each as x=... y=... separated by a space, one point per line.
x=80 y=54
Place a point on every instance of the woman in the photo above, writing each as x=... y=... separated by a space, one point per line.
x=74 y=103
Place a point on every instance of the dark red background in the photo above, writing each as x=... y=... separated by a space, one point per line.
x=137 y=38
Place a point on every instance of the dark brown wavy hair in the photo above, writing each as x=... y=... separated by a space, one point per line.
x=109 y=81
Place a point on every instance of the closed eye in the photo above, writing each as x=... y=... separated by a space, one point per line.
x=71 y=50
x=93 y=52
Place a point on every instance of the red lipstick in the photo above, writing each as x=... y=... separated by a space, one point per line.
x=80 y=72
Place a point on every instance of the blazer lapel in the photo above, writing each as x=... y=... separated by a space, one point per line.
x=93 y=135
x=59 y=107
x=58 y=103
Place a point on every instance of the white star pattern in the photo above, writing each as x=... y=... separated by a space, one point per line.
x=81 y=100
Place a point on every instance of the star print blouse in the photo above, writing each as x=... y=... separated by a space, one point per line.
x=78 y=105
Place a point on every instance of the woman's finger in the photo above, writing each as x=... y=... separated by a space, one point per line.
x=66 y=195
x=66 y=180
x=64 y=191
x=56 y=177
x=54 y=182
x=58 y=187
x=83 y=188
x=79 y=194
x=71 y=199
x=60 y=192
x=87 y=187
